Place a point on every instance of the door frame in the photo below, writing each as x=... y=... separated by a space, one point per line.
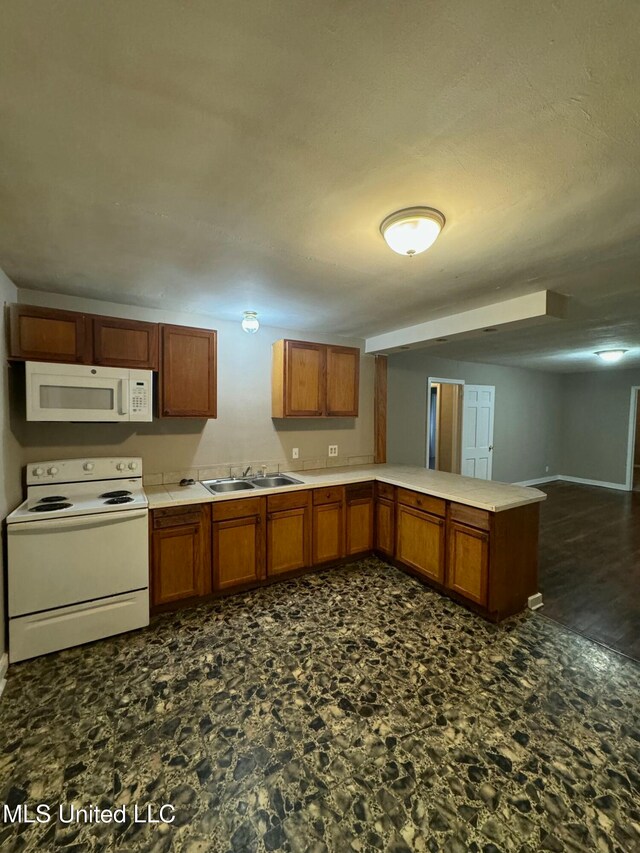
x=633 y=414
x=434 y=380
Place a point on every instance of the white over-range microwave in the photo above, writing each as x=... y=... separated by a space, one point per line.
x=80 y=392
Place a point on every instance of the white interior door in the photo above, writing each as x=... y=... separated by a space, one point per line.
x=477 y=431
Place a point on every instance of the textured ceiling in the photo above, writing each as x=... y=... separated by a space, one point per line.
x=223 y=156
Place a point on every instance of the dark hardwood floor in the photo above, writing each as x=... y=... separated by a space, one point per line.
x=590 y=563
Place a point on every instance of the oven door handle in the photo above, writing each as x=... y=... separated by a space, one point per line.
x=84 y=521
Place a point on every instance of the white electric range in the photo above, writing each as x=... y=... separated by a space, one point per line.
x=78 y=555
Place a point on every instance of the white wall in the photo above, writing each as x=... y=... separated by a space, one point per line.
x=10 y=463
x=596 y=410
x=244 y=431
x=528 y=413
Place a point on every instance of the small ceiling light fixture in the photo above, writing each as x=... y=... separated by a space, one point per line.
x=250 y=323
x=413 y=230
x=611 y=355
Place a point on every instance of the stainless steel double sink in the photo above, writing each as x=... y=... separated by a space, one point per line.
x=230 y=484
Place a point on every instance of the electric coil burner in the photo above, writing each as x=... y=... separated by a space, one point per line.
x=54 y=499
x=123 y=499
x=49 y=507
x=119 y=493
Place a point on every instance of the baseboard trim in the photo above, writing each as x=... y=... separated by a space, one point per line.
x=621 y=487
x=565 y=478
x=4 y=666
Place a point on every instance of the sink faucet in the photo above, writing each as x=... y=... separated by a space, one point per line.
x=248 y=470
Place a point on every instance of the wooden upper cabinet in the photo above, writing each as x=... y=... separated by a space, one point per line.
x=124 y=343
x=46 y=334
x=188 y=364
x=298 y=389
x=343 y=376
x=312 y=380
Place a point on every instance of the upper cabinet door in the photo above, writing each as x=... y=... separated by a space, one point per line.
x=125 y=343
x=314 y=380
x=343 y=375
x=297 y=381
x=304 y=379
x=46 y=334
x=188 y=372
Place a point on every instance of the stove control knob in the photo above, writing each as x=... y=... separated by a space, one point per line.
x=133 y=465
x=38 y=472
x=88 y=466
x=53 y=470
x=120 y=466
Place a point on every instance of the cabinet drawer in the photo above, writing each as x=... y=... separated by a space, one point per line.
x=328 y=496
x=175 y=511
x=237 y=508
x=359 y=491
x=179 y=520
x=470 y=515
x=289 y=500
x=384 y=490
x=436 y=506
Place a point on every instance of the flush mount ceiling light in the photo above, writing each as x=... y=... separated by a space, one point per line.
x=611 y=355
x=413 y=230
x=250 y=323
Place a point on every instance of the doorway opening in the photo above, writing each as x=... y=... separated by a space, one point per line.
x=460 y=427
x=633 y=453
x=444 y=425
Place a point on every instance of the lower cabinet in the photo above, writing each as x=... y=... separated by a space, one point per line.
x=288 y=532
x=468 y=562
x=328 y=525
x=180 y=553
x=238 y=542
x=359 y=520
x=385 y=519
x=420 y=541
x=487 y=558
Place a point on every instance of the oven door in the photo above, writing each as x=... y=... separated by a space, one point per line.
x=69 y=393
x=63 y=561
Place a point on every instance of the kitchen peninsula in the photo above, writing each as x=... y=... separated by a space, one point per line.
x=473 y=540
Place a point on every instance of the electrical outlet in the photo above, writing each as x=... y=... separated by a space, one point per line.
x=295 y=453
x=333 y=450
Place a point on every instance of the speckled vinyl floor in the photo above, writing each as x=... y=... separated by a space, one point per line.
x=348 y=710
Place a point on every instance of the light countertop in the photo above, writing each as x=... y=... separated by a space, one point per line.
x=484 y=494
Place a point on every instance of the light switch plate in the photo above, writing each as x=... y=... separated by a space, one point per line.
x=295 y=453
x=333 y=450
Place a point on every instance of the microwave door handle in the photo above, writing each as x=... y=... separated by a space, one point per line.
x=123 y=393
